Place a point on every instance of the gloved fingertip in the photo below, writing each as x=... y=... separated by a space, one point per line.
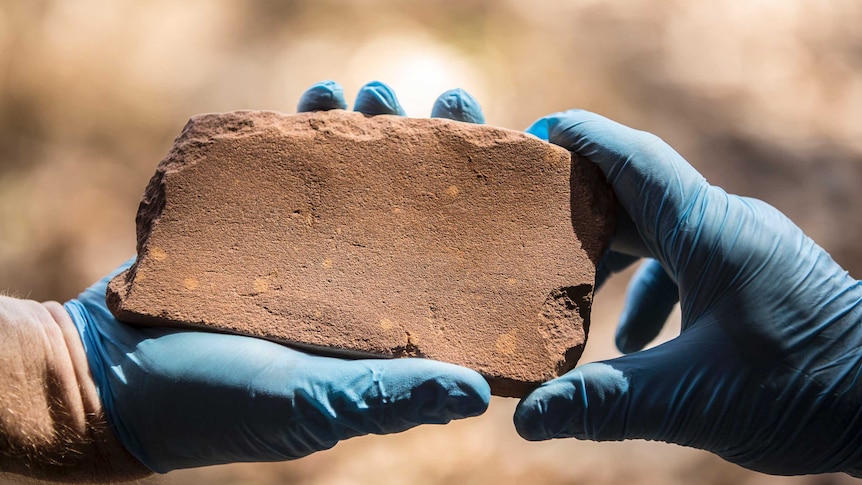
x=574 y=406
x=323 y=96
x=540 y=128
x=457 y=104
x=376 y=98
x=433 y=392
x=612 y=262
x=633 y=337
x=458 y=393
x=650 y=299
x=528 y=421
x=542 y=413
x=556 y=127
x=626 y=345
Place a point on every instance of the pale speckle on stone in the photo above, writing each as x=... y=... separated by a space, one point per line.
x=505 y=344
x=260 y=285
x=158 y=254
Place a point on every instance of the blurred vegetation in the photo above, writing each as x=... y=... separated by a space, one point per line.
x=764 y=97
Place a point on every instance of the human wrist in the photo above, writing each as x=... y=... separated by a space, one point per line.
x=51 y=421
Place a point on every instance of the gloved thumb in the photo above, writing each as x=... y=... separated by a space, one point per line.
x=641 y=395
x=587 y=403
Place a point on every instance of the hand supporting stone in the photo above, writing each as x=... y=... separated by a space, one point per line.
x=178 y=399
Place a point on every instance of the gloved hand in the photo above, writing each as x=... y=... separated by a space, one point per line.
x=179 y=399
x=766 y=370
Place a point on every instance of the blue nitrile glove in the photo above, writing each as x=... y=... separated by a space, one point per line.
x=766 y=371
x=457 y=104
x=179 y=399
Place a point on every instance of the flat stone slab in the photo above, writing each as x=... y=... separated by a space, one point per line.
x=374 y=237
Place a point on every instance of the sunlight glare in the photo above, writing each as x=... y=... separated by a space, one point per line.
x=417 y=68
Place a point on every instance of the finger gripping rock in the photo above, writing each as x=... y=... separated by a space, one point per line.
x=374 y=237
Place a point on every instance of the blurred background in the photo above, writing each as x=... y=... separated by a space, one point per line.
x=763 y=96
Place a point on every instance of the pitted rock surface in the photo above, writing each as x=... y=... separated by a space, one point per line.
x=374 y=237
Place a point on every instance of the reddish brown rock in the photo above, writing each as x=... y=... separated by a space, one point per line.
x=383 y=236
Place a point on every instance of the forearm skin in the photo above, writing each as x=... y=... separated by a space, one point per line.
x=51 y=421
